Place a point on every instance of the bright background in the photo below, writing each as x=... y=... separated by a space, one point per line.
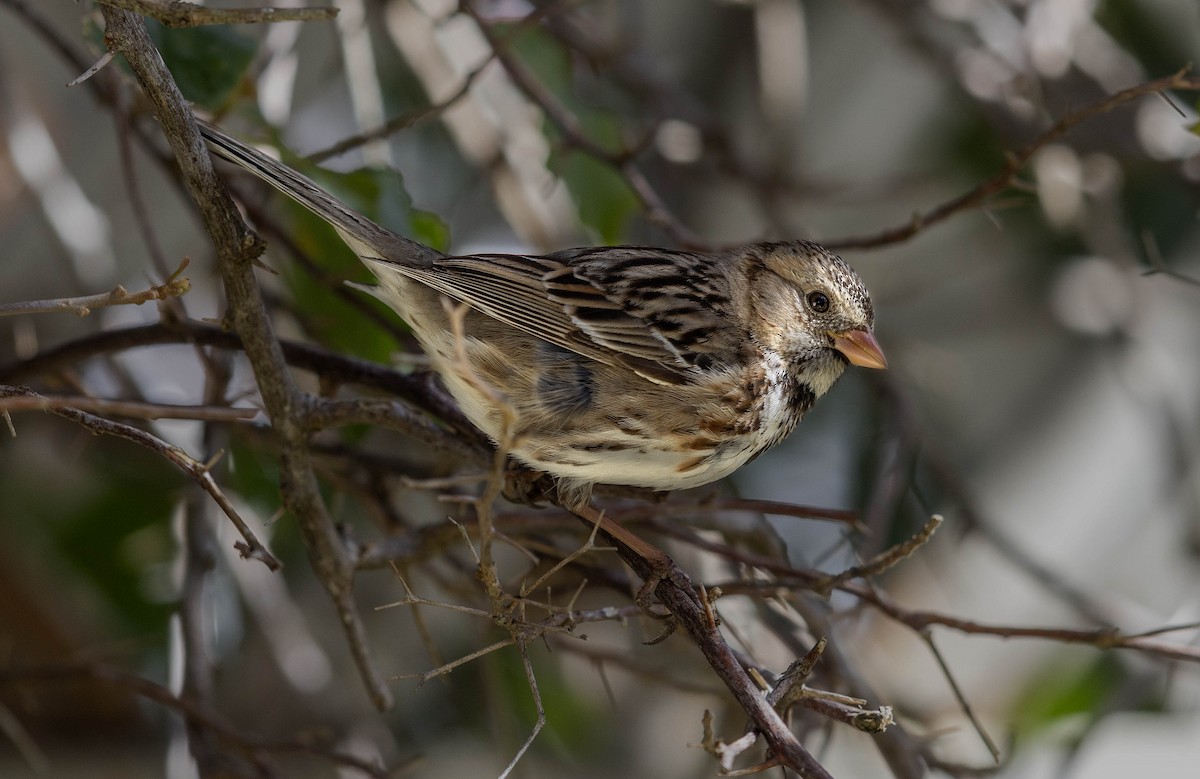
x=1044 y=391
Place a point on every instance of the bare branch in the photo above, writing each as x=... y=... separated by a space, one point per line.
x=176 y=13
x=848 y=711
x=237 y=248
x=82 y=306
x=446 y=668
x=198 y=471
x=675 y=590
x=323 y=413
x=404 y=121
x=959 y=696
x=124 y=408
x=540 y=721
x=1014 y=163
x=1103 y=638
x=708 y=505
x=886 y=559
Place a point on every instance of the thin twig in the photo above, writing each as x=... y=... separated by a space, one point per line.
x=675 y=508
x=1103 y=638
x=848 y=711
x=403 y=121
x=82 y=306
x=886 y=559
x=781 y=696
x=587 y=546
x=175 y=13
x=961 y=697
x=446 y=668
x=577 y=137
x=96 y=67
x=125 y=408
x=495 y=484
x=1158 y=264
x=199 y=472
x=1014 y=163
x=540 y=721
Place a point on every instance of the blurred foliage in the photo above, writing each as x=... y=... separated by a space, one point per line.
x=1158 y=47
x=604 y=198
x=104 y=524
x=253 y=473
x=1082 y=687
x=208 y=63
x=123 y=533
x=1160 y=206
x=380 y=196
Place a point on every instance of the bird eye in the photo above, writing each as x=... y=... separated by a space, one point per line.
x=818 y=301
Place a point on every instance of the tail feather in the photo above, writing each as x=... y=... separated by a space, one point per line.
x=367 y=239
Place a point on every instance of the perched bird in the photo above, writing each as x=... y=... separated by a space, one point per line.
x=618 y=365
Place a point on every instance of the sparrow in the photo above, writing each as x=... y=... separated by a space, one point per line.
x=626 y=365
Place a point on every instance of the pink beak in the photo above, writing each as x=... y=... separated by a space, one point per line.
x=860 y=348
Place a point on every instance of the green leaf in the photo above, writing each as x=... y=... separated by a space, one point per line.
x=429 y=229
x=208 y=63
x=380 y=196
x=543 y=54
x=114 y=539
x=604 y=198
x=1059 y=693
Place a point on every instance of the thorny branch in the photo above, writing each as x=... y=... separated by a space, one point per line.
x=237 y=248
x=675 y=590
x=198 y=471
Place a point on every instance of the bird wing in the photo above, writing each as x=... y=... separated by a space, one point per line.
x=682 y=298
x=619 y=306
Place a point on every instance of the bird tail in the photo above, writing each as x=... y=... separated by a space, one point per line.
x=367 y=239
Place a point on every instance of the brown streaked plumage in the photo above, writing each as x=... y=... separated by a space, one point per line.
x=625 y=365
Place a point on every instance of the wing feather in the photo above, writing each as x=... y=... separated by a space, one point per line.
x=571 y=300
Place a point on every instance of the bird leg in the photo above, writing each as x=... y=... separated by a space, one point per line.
x=532 y=487
x=656 y=565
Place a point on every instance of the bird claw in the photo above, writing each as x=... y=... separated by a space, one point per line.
x=643 y=600
x=668 y=629
x=525 y=486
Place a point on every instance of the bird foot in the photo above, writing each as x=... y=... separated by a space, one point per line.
x=525 y=486
x=661 y=569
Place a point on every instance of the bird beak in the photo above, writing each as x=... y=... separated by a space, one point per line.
x=860 y=348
